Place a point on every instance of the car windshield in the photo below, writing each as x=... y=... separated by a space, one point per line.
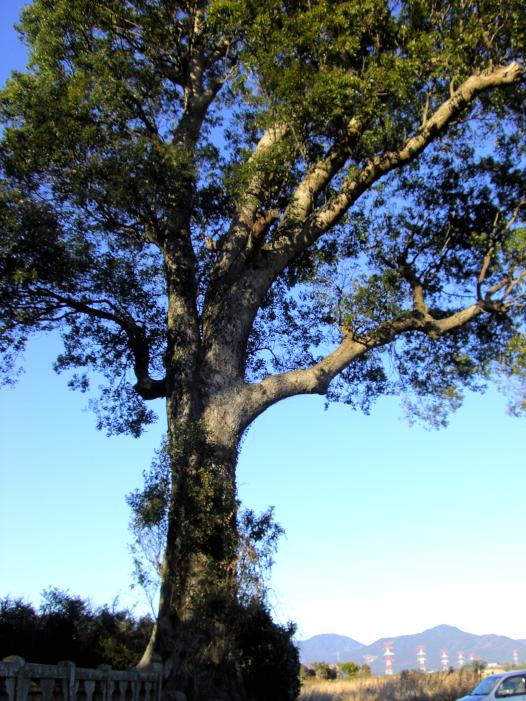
x=485 y=686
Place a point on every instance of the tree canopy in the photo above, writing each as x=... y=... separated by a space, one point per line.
x=348 y=165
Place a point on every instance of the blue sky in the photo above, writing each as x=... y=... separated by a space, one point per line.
x=389 y=529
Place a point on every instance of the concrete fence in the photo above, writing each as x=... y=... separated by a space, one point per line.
x=27 y=681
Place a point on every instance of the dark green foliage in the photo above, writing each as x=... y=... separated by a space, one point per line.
x=270 y=660
x=258 y=541
x=93 y=169
x=19 y=629
x=306 y=673
x=324 y=671
x=66 y=627
x=258 y=536
x=349 y=669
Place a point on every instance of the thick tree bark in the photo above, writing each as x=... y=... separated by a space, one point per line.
x=198 y=620
x=197 y=624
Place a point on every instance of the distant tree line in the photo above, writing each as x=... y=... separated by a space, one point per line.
x=342 y=670
x=66 y=627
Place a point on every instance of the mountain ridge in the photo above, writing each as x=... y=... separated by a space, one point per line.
x=442 y=646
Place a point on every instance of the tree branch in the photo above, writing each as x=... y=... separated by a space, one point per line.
x=146 y=387
x=318 y=177
x=242 y=225
x=434 y=127
x=485 y=266
x=417 y=288
x=317 y=378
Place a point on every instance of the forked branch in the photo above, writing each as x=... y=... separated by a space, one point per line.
x=434 y=126
x=242 y=226
x=316 y=379
x=146 y=387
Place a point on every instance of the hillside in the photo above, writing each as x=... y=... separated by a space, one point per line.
x=489 y=648
x=330 y=648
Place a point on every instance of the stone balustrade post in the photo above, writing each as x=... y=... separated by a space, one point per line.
x=107 y=683
x=69 y=684
x=10 y=669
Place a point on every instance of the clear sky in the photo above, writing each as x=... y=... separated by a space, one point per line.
x=389 y=529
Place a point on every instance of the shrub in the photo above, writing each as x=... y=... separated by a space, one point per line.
x=324 y=671
x=349 y=669
x=67 y=627
x=270 y=660
x=306 y=673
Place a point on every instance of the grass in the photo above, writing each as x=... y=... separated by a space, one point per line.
x=408 y=686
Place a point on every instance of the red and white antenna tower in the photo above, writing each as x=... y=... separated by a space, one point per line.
x=516 y=658
x=421 y=657
x=444 y=657
x=460 y=658
x=389 y=656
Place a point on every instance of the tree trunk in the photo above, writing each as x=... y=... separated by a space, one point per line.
x=199 y=615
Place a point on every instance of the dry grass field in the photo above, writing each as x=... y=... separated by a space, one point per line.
x=409 y=686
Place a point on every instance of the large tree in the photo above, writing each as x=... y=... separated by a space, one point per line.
x=227 y=203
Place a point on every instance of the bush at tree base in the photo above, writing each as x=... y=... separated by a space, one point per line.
x=270 y=664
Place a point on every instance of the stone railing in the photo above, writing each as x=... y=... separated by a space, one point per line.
x=27 y=681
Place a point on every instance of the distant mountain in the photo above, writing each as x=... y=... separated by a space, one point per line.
x=329 y=648
x=489 y=648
